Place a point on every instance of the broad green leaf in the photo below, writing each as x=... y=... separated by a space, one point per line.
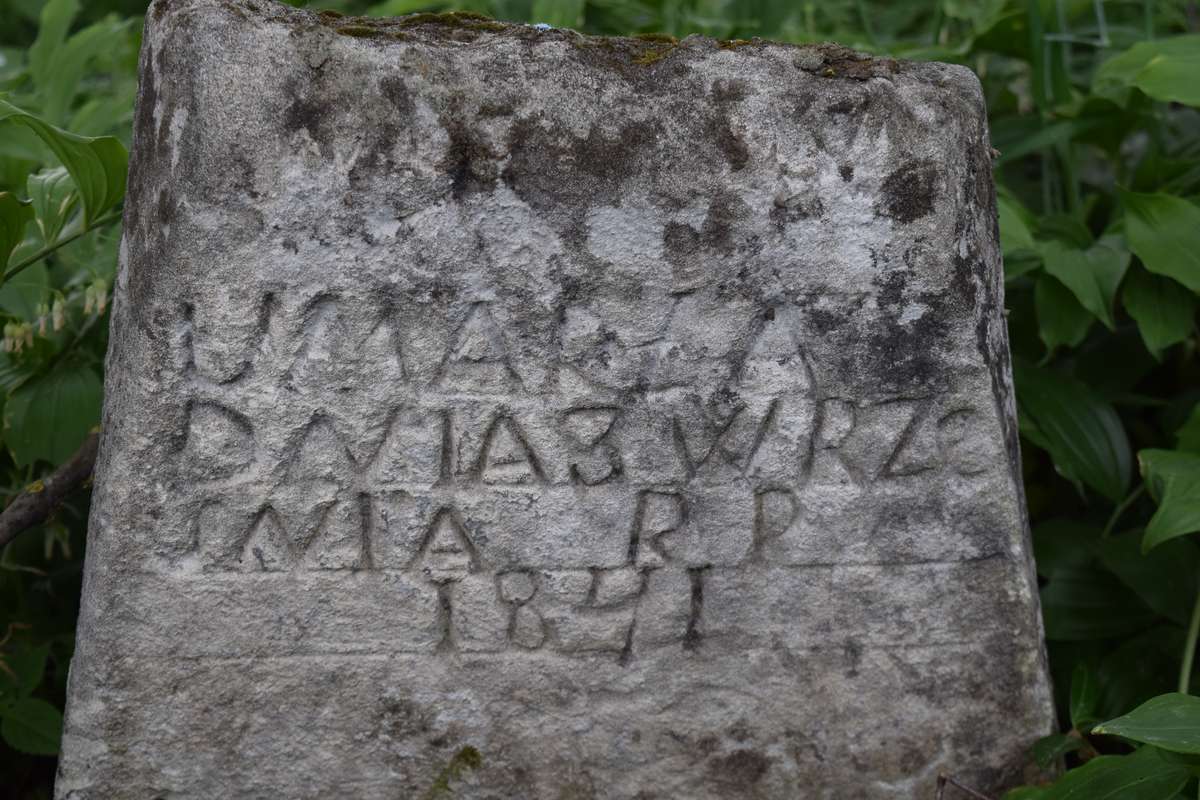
x=1178 y=512
x=32 y=726
x=1085 y=698
x=1142 y=666
x=58 y=79
x=1157 y=466
x=1142 y=775
x=1173 y=478
x=48 y=417
x=97 y=164
x=1169 y=721
x=1049 y=749
x=1080 y=604
x=53 y=195
x=1066 y=229
x=53 y=27
x=1188 y=435
x=1164 y=578
x=1063 y=542
x=21 y=294
x=1164 y=69
x=14 y=215
x=1093 y=275
x=559 y=13
x=1014 y=233
x=1164 y=231
x=25 y=668
x=1081 y=431
x=1164 y=310
x=1061 y=319
x=1026 y=793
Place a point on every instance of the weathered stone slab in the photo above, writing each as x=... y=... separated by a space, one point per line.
x=638 y=415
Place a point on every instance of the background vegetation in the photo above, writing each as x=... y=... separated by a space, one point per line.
x=1093 y=109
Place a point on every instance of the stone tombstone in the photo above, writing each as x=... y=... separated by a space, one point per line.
x=499 y=412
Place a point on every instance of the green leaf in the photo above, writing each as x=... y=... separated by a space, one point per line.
x=1188 y=435
x=1178 y=512
x=1082 y=603
x=14 y=215
x=1164 y=578
x=1170 y=721
x=1157 y=466
x=1014 y=233
x=1047 y=137
x=1093 y=275
x=1142 y=666
x=1049 y=749
x=1085 y=698
x=21 y=294
x=52 y=192
x=1164 y=231
x=1164 y=69
x=48 y=417
x=1059 y=543
x=32 y=726
x=1142 y=775
x=62 y=63
x=1164 y=310
x=1080 y=431
x=1061 y=319
x=26 y=665
x=97 y=164
x=1026 y=793
x=54 y=24
x=1173 y=478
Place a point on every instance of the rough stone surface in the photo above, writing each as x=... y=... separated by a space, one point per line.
x=541 y=416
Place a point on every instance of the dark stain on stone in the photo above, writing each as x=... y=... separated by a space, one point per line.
x=729 y=143
x=308 y=113
x=729 y=91
x=847 y=172
x=561 y=175
x=396 y=92
x=400 y=719
x=906 y=356
x=739 y=769
x=795 y=208
x=686 y=248
x=724 y=94
x=166 y=207
x=470 y=162
x=852 y=651
x=908 y=192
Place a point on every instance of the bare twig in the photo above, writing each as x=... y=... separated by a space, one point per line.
x=945 y=780
x=33 y=505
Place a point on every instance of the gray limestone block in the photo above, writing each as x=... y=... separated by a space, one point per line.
x=633 y=414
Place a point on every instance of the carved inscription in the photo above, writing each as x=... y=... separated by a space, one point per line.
x=546 y=507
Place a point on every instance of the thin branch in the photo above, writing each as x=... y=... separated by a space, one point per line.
x=110 y=217
x=35 y=504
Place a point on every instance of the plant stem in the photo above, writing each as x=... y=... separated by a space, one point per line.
x=1189 y=648
x=110 y=217
x=1121 y=509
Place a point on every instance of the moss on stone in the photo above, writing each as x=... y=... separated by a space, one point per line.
x=661 y=38
x=465 y=760
x=467 y=20
x=360 y=31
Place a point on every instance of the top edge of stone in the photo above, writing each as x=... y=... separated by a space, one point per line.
x=825 y=59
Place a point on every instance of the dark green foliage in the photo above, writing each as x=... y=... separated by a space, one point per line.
x=1094 y=114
